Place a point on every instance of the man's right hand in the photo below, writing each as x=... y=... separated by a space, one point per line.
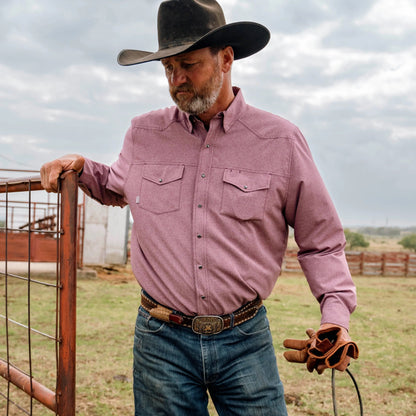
x=51 y=171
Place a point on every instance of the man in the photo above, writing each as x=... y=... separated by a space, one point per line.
x=212 y=185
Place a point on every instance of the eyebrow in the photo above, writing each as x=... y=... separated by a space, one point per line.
x=180 y=57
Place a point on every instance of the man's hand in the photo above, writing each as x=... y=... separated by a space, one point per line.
x=51 y=171
x=334 y=346
x=300 y=351
x=330 y=347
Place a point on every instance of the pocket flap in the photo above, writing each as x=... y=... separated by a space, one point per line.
x=163 y=174
x=247 y=181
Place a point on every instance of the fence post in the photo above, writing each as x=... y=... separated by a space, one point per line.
x=406 y=265
x=68 y=260
x=361 y=263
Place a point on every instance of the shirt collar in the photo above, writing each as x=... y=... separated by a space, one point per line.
x=229 y=116
x=235 y=110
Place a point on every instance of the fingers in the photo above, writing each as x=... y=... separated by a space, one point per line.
x=296 y=356
x=320 y=368
x=315 y=364
x=51 y=171
x=300 y=347
x=310 y=332
x=77 y=163
x=330 y=347
x=49 y=174
x=295 y=344
x=298 y=344
x=311 y=363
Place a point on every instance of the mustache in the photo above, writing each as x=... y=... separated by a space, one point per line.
x=182 y=88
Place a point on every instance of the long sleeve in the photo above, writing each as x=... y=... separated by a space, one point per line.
x=320 y=237
x=105 y=183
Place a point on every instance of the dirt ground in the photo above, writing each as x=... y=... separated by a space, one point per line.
x=118 y=273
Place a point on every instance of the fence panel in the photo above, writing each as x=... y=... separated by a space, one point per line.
x=38 y=318
x=366 y=263
x=395 y=264
x=372 y=264
x=411 y=266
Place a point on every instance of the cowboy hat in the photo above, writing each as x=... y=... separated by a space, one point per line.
x=186 y=25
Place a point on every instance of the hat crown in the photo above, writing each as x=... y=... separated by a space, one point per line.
x=186 y=21
x=186 y=25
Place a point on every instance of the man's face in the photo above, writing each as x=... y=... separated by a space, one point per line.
x=195 y=80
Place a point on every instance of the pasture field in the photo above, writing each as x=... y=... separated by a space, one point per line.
x=384 y=326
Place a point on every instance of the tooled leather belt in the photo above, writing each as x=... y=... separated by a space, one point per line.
x=201 y=324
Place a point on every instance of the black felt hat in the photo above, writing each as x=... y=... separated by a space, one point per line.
x=186 y=25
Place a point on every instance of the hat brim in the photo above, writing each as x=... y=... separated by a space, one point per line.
x=246 y=38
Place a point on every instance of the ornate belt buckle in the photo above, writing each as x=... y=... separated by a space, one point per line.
x=207 y=324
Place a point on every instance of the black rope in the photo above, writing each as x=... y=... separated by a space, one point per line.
x=334 y=399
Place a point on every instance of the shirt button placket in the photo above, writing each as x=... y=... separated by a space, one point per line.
x=201 y=193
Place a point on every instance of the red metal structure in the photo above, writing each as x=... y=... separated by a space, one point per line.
x=43 y=218
x=65 y=232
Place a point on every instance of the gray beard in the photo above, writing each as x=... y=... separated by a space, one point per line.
x=200 y=104
x=203 y=100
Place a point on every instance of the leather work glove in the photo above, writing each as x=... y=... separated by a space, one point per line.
x=330 y=347
x=301 y=348
x=334 y=346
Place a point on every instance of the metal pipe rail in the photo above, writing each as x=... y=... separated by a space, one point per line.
x=62 y=400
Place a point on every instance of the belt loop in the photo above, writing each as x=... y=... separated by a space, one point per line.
x=231 y=320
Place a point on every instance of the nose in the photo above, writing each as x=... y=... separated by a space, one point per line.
x=177 y=77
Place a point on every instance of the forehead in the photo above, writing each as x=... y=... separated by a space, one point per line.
x=196 y=54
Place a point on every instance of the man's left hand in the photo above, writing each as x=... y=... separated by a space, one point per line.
x=330 y=347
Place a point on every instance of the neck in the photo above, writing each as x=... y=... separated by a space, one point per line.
x=224 y=100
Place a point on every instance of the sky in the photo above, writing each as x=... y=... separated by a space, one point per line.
x=343 y=71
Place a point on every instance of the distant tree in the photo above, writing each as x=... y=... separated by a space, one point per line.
x=381 y=231
x=355 y=240
x=409 y=241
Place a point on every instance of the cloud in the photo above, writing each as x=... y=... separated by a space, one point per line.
x=392 y=18
x=342 y=71
x=308 y=73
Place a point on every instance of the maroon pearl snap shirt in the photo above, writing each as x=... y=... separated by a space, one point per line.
x=211 y=210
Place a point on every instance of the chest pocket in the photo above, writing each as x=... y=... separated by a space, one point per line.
x=161 y=188
x=244 y=194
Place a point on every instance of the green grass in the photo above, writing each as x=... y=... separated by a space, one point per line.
x=384 y=326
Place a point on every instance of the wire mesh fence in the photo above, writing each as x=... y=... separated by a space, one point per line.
x=38 y=297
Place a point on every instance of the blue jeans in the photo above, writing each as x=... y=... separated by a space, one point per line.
x=174 y=368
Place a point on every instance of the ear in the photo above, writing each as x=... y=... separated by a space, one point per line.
x=227 y=56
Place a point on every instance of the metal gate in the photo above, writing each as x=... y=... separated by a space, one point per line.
x=27 y=301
